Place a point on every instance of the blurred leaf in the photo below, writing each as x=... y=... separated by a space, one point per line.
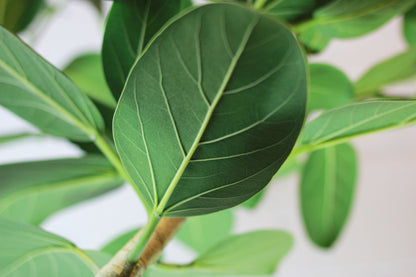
x=409 y=26
x=87 y=73
x=217 y=149
x=344 y=123
x=348 y=19
x=117 y=243
x=17 y=136
x=100 y=258
x=289 y=9
x=29 y=251
x=397 y=68
x=326 y=191
x=39 y=93
x=32 y=191
x=16 y=15
x=201 y=232
x=254 y=254
x=130 y=26
x=328 y=88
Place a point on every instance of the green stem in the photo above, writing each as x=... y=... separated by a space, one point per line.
x=148 y=230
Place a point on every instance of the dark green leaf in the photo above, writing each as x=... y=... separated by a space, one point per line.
x=349 y=18
x=289 y=9
x=197 y=82
x=36 y=91
x=201 y=232
x=326 y=191
x=349 y=121
x=251 y=254
x=17 y=15
x=29 y=251
x=328 y=88
x=409 y=26
x=130 y=26
x=116 y=244
x=397 y=68
x=32 y=191
x=87 y=73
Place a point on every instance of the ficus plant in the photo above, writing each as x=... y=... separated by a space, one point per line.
x=198 y=108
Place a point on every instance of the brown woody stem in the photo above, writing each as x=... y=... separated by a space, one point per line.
x=119 y=266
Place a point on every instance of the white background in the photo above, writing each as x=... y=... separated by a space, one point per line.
x=379 y=239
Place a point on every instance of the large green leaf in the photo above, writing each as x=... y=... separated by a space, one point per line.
x=289 y=9
x=353 y=120
x=409 y=26
x=87 y=73
x=397 y=68
x=326 y=192
x=211 y=110
x=17 y=15
x=31 y=191
x=201 y=232
x=251 y=254
x=329 y=87
x=29 y=251
x=130 y=26
x=36 y=91
x=349 y=18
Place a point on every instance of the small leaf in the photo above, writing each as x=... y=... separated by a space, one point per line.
x=349 y=18
x=250 y=254
x=32 y=191
x=326 y=191
x=397 y=68
x=230 y=100
x=36 y=91
x=87 y=73
x=201 y=232
x=344 y=123
x=17 y=15
x=29 y=251
x=130 y=26
x=289 y=9
x=409 y=26
x=117 y=243
x=328 y=88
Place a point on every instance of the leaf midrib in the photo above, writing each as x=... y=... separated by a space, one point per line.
x=160 y=208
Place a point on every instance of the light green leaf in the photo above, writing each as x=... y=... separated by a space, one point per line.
x=17 y=15
x=32 y=191
x=116 y=244
x=87 y=73
x=100 y=258
x=289 y=9
x=17 y=136
x=201 y=232
x=344 y=123
x=36 y=91
x=130 y=26
x=197 y=82
x=29 y=251
x=326 y=192
x=409 y=26
x=397 y=68
x=349 y=18
x=329 y=87
x=251 y=254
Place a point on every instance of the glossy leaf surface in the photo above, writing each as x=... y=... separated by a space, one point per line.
x=350 y=18
x=202 y=232
x=230 y=100
x=87 y=73
x=29 y=251
x=39 y=93
x=32 y=191
x=17 y=15
x=130 y=26
x=326 y=192
x=328 y=88
x=409 y=26
x=349 y=121
x=289 y=9
x=250 y=254
x=397 y=68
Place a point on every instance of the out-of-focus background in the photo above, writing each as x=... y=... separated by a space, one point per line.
x=379 y=239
